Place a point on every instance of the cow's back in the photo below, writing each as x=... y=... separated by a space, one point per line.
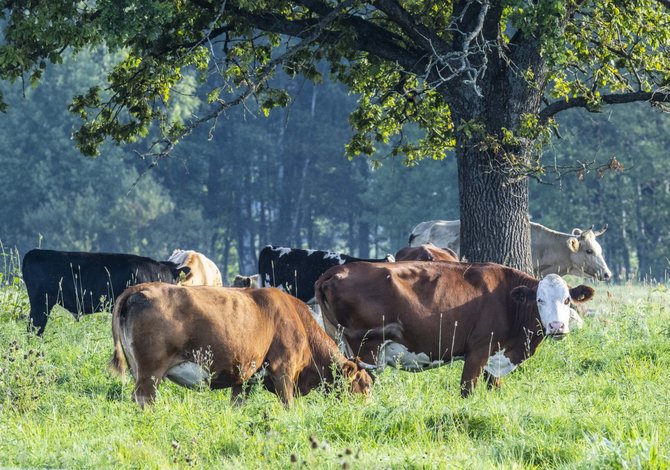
x=426 y=252
x=431 y=300
x=239 y=327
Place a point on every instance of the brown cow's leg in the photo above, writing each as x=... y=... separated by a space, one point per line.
x=153 y=362
x=145 y=390
x=238 y=395
x=284 y=385
x=148 y=378
x=474 y=363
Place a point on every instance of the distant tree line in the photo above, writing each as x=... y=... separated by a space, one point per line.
x=248 y=181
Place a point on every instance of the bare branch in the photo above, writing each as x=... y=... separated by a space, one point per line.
x=581 y=169
x=550 y=175
x=470 y=60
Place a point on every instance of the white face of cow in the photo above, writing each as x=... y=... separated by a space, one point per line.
x=553 y=303
x=586 y=254
x=553 y=297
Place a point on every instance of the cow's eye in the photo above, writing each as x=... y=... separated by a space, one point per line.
x=566 y=301
x=589 y=252
x=540 y=301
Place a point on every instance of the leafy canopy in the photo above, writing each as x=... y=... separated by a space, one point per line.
x=410 y=61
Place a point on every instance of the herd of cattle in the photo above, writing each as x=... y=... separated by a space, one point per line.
x=327 y=314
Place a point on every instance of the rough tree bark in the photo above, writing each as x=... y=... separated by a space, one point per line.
x=494 y=212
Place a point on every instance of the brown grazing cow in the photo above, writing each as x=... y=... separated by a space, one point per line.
x=426 y=252
x=195 y=334
x=491 y=316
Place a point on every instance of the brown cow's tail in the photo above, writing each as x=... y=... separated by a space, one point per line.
x=330 y=323
x=118 y=363
x=320 y=292
x=324 y=298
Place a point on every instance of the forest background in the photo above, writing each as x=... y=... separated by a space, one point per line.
x=250 y=180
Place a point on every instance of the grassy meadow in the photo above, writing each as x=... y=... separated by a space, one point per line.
x=598 y=399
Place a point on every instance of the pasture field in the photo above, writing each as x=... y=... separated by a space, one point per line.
x=598 y=399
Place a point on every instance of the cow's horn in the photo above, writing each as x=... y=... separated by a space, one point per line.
x=366 y=366
x=601 y=231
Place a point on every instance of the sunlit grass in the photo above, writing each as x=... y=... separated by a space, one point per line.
x=598 y=399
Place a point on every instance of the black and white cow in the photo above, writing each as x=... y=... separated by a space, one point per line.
x=86 y=282
x=295 y=270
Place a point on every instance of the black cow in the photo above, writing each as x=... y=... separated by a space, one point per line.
x=296 y=270
x=86 y=282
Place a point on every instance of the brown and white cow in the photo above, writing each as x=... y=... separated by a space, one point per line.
x=491 y=316
x=577 y=253
x=223 y=337
x=426 y=252
x=203 y=270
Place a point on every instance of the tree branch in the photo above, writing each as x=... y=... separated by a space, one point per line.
x=417 y=32
x=467 y=57
x=369 y=37
x=418 y=50
x=659 y=96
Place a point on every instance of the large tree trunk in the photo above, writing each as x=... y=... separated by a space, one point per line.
x=494 y=212
x=493 y=199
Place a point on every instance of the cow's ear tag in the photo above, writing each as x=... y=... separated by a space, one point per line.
x=582 y=293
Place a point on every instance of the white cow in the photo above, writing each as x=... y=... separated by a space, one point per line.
x=553 y=252
x=203 y=270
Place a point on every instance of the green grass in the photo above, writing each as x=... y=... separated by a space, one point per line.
x=598 y=399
